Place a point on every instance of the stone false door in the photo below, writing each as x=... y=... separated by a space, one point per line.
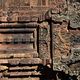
x=23 y=46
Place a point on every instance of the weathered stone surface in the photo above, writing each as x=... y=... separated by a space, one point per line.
x=16 y=36
x=35 y=32
x=29 y=78
x=1 y=75
x=3 y=78
x=23 y=73
x=3 y=68
x=65 y=48
x=75 y=39
x=44 y=40
x=22 y=11
x=74 y=14
x=3 y=61
x=19 y=55
x=23 y=68
x=24 y=61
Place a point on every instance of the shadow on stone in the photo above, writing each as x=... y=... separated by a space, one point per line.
x=49 y=74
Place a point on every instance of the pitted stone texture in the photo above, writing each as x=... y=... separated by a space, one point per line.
x=74 y=13
x=65 y=53
x=29 y=10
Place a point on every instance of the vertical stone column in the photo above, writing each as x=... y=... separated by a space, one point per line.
x=44 y=42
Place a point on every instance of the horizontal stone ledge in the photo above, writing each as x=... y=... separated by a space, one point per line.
x=16 y=30
x=3 y=61
x=23 y=24
x=19 y=55
x=23 y=68
x=59 y=18
x=24 y=61
x=20 y=74
x=29 y=78
x=2 y=68
x=16 y=49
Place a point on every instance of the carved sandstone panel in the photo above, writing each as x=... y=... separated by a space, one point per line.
x=16 y=38
x=21 y=10
x=65 y=49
